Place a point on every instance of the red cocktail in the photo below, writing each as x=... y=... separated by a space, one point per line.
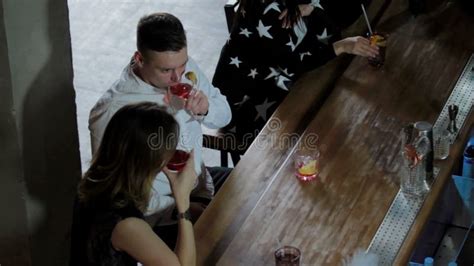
x=182 y=90
x=178 y=161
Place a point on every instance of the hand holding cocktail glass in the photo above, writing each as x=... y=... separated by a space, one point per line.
x=177 y=95
x=371 y=48
x=377 y=40
x=189 y=97
x=197 y=103
x=178 y=161
x=181 y=175
x=183 y=90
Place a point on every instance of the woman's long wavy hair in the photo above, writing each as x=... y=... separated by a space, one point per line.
x=137 y=143
x=292 y=6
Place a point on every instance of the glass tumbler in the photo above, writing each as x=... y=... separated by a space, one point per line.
x=380 y=40
x=287 y=256
x=442 y=142
x=413 y=178
x=307 y=164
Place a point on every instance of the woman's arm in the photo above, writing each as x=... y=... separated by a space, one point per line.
x=355 y=45
x=185 y=246
x=136 y=237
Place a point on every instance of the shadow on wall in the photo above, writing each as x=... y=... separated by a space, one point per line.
x=51 y=146
x=14 y=248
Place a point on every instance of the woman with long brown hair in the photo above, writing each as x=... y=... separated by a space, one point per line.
x=108 y=226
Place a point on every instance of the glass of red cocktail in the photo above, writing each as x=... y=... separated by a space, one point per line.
x=178 y=161
x=181 y=90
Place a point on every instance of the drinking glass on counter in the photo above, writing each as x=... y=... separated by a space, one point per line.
x=287 y=256
x=307 y=164
x=442 y=143
x=378 y=39
x=414 y=150
x=413 y=180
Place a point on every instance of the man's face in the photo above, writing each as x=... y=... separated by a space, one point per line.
x=162 y=69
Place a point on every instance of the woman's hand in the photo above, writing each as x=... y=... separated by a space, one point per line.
x=182 y=183
x=356 y=45
x=288 y=22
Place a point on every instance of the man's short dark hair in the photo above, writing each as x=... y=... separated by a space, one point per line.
x=160 y=32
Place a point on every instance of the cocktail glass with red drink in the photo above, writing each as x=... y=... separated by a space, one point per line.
x=181 y=90
x=178 y=94
x=178 y=161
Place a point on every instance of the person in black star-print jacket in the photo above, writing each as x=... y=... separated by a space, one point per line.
x=271 y=44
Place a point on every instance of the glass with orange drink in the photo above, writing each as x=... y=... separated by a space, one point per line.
x=307 y=164
x=380 y=40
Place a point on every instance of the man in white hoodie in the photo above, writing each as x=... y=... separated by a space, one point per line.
x=162 y=60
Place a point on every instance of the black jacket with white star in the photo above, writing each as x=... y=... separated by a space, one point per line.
x=261 y=59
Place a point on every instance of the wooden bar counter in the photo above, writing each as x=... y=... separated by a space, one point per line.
x=262 y=205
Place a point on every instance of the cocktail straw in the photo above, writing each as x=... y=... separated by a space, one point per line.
x=366 y=19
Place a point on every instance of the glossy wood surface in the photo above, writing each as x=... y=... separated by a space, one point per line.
x=257 y=168
x=263 y=205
